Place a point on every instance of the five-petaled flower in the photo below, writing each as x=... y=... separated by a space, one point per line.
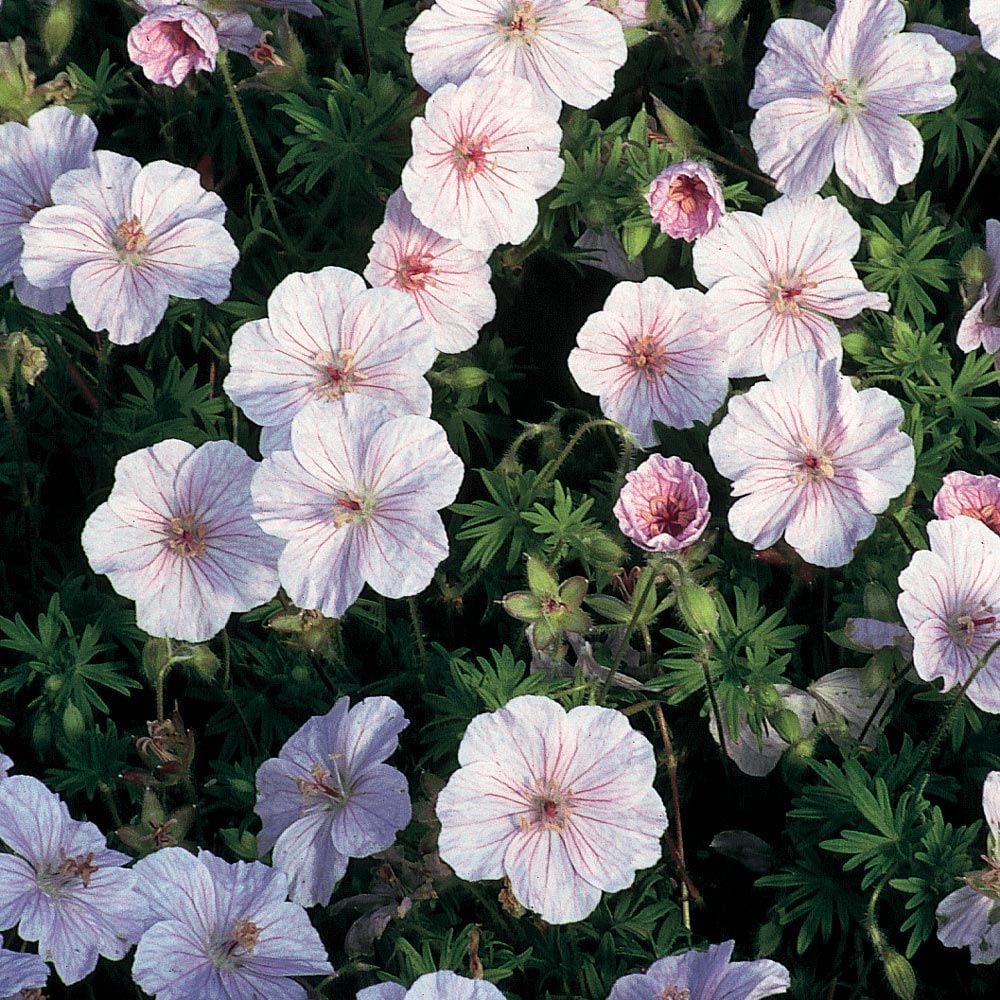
x=434 y=986
x=125 y=238
x=950 y=602
x=776 y=281
x=222 y=930
x=985 y=14
x=61 y=885
x=812 y=459
x=837 y=98
x=561 y=803
x=176 y=536
x=328 y=796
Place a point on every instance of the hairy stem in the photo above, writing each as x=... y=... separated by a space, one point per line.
x=981 y=166
x=366 y=58
x=639 y=597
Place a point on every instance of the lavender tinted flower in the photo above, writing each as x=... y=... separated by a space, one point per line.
x=19 y=971
x=222 y=930
x=434 y=986
x=686 y=201
x=328 y=796
x=61 y=886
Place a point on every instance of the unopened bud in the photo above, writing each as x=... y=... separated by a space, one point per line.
x=787 y=725
x=58 y=28
x=155 y=658
x=467 y=377
x=697 y=608
x=203 y=662
x=977 y=267
x=72 y=720
x=678 y=132
x=719 y=13
x=899 y=972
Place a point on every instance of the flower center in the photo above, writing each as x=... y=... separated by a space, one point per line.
x=61 y=881
x=550 y=807
x=415 y=272
x=325 y=788
x=130 y=241
x=785 y=291
x=471 y=154
x=675 y=992
x=35 y=993
x=844 y=97
x=986 y=882
x=688 y=193
x=963 y=628
x=186 y=536
x=232 y=950
x=521 y=24
x=350 y=509
x=337 y=374
x=667 y=515
x=814 y=466
x=648 y=356
x=178 y=39
x=988 y=514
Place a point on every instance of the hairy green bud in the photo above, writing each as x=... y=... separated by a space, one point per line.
x=899 y=972
x=697 y=608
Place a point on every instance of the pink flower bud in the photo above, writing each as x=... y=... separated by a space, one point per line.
x=686 y=201
x=170 y=42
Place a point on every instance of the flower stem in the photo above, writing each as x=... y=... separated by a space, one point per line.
x=776 y=9
x=418 y=632
x=719 y=721
x=640 y=600
x=984 y=159
x=548 y=473
x=234 y=99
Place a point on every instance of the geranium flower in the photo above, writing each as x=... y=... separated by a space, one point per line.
x=564 y=49
x=32 y=156
x=704 y=975
x=449 y=282
x=328 y=796
x=663 y=506
x=980 y=326
x=840 y=696
x=61 y=886
x=686 y=201
x=836 y=98
x=970 y=916
x=434 y=986
x=950 y=600
x=759 y=755
x=171 y=41
x=775 y=280
x=328 y=338
x=631 y=13
x=652 y=353
x=222 y=930
x=873 y=634
x=21 y=972
x=605 y=252
x=965 y=495
x=176 y=536
x=986 y=16
x=356 y=501
x=560 y=803
x=125 y=238
x=812 y=459
x=482 y=154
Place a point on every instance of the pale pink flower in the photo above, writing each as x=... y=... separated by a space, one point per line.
x=965 y=495
x=836 y=98
x=125 y=238
x=812 y=459
x=980 y=326
x=686 y=201
x=176 y=536
x=327 y=337
x=985 y=14
x=759 y=755
x=562 y=804
x=652 y=353
x=32 y=156
x=356 y=500
x=663 y=506
x=775 y=280
x=171 y=41
x=482 y=154
x=970 y=916
x=449 y=282
x=564 y=49
x=631 y=13
x=950 y=600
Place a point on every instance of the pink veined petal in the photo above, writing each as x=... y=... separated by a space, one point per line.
x=792 y=66
x=103 y=189
x=372 y=729
x=126 y=301
x=323 y=570
x=877 y=153
x=166 y=194
x=172 y=960
x=543 y=879
x=399 y=552
x=60 y=239
x=913 y=76
x=44 y=300
x=985 y=16
x=193 y=259
x=794 y=138
x=305 y=853
x=378 y=809
x=964 y=918
x=857 y=33
x=736 y=248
